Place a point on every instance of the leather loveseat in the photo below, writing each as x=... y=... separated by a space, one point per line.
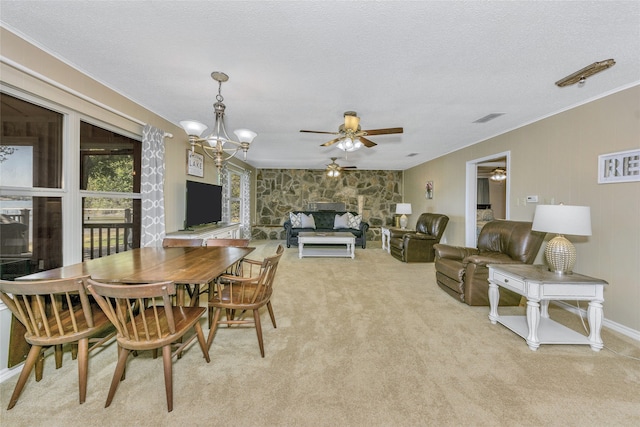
x=463 y=272
x=417 y=246
x=324 y=222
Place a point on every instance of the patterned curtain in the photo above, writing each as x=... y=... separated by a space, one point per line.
x=152 y=187
x=226 y=191
x=245 y=227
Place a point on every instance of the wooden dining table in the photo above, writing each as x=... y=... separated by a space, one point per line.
x=192 y=266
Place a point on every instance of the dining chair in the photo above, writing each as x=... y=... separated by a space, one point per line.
x=241 y=243
x=146 y=319
x=55 y=312
x=250 y=291
x=181 y=243
x=192 y=289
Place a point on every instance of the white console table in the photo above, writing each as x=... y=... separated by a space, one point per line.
x=218 y=231
x=539 y=286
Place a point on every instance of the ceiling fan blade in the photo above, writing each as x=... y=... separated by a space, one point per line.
x=333 y=141
x=319 y=131
x=383 y=131
x=348 y=167
x=367 y=142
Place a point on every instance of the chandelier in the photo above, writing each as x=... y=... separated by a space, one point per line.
x=218 y=145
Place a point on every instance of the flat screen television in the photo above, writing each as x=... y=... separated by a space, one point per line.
x=203 y=204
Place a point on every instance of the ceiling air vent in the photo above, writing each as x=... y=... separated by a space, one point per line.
x=489 y=117
x=412 y=154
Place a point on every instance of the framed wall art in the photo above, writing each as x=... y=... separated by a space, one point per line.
x=195 y=164
x=429 y=190
x=623 y=166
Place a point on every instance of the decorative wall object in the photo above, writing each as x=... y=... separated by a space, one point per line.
x=623 y=166
x=429 y=190
x=195 y=164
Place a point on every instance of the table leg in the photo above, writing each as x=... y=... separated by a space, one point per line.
x=544 y=308
x=300 y=246
x=594 y=313
x=352 y=246
x=533 y=320
x=494 y=297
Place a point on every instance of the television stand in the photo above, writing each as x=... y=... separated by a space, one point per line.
x=213 y=231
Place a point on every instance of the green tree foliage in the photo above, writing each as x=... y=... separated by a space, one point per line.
x=109 y=173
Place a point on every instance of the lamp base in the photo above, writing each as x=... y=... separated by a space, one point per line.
x=403 y=221
x=560 y=255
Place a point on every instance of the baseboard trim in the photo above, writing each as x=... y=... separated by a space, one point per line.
x=624 y=330
x=7 y=373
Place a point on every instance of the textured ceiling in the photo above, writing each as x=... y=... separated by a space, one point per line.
x=430 y=67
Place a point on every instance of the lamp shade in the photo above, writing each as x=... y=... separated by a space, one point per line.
x=563 y=219
x=193 y=127
x=403 y=208
x=245 y=135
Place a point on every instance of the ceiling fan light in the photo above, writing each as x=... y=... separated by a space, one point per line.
x=245 y=135
x=193 y=127
x=357 y=145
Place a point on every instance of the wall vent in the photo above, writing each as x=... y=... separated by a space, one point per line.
x=489 y=117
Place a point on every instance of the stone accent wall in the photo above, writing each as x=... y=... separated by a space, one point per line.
x=280 y=191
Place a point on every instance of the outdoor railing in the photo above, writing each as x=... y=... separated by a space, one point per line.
x=102 y=239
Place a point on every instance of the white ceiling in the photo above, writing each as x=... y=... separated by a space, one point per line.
x=430 y=67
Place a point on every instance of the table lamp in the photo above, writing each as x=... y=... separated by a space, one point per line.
x=562 y=219
x=403 y=209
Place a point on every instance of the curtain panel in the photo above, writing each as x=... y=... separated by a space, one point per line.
x=152 y=187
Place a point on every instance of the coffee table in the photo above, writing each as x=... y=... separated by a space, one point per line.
x=327 y=244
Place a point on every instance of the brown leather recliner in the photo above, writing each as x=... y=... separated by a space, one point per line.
x=463 y=273
x=417 y=246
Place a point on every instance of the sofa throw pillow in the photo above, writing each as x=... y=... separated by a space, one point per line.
x=341 y=221
x=308 y=221
x=354 y=220
x=296 y=220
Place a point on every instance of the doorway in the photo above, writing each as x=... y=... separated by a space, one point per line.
x=493 y=196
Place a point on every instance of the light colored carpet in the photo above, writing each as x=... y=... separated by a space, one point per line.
x=364 y=342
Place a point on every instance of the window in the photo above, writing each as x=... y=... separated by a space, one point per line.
x=31 y=162
x=236 y=198
x=69 y=189
x=110 y=180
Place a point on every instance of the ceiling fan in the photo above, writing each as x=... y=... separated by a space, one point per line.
x=334 y=169
x=351 y=136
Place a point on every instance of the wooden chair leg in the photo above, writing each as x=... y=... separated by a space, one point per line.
x=168 y=379
x=256 y=318
x=214 y=327
x=74 y=351
x=83 y=364
x=32 y=358
x=57 y=351
x=273 y=318
x=201 y=341
x=117 y=375
x=39 y=365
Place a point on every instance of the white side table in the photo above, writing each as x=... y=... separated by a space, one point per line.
x=385 y=232
x=539 y=286
x=386 y=236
